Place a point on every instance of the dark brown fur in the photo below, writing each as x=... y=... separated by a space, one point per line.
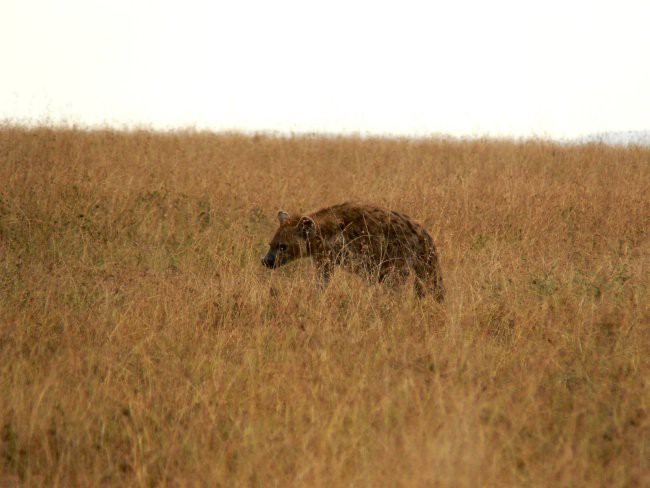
x=376 y=243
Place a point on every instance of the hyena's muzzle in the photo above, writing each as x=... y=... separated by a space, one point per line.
x=270 y=260
x=277 y=256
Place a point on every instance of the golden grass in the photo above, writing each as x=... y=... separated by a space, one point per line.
x=142 y=343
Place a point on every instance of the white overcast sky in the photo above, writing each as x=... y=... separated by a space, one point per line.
x=461 y=67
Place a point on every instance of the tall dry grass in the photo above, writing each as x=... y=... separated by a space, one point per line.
x=142 y=343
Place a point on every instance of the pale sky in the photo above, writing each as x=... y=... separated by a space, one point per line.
x=461 y=67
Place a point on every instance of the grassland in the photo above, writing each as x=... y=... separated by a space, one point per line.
x=142 y=343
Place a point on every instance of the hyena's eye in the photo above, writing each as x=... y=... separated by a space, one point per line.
x=282 y=247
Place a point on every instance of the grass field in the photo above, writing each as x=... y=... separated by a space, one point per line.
x=142 y=342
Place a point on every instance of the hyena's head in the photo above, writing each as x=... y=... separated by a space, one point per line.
x=291 y=240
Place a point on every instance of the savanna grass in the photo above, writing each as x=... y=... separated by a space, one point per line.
x=142 y=343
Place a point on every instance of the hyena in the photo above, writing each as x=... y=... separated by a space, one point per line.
x=378 y=244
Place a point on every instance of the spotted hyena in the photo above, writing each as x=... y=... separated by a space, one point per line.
x=378 y=244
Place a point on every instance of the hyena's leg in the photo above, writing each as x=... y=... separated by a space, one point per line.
x=393 y=275
x=429 y=281
x=324 y=270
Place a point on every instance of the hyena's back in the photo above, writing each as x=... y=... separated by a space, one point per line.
x=382 y=243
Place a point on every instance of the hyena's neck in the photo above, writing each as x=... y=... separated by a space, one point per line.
x=316 y=247
x=324 y=242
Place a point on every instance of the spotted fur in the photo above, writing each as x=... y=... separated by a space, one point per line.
x=376 y=243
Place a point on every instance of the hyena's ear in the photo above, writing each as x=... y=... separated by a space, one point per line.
x=307 y=226
x=283 y=216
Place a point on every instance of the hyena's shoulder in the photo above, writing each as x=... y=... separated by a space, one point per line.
x=361 y=218
x=347 y=216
